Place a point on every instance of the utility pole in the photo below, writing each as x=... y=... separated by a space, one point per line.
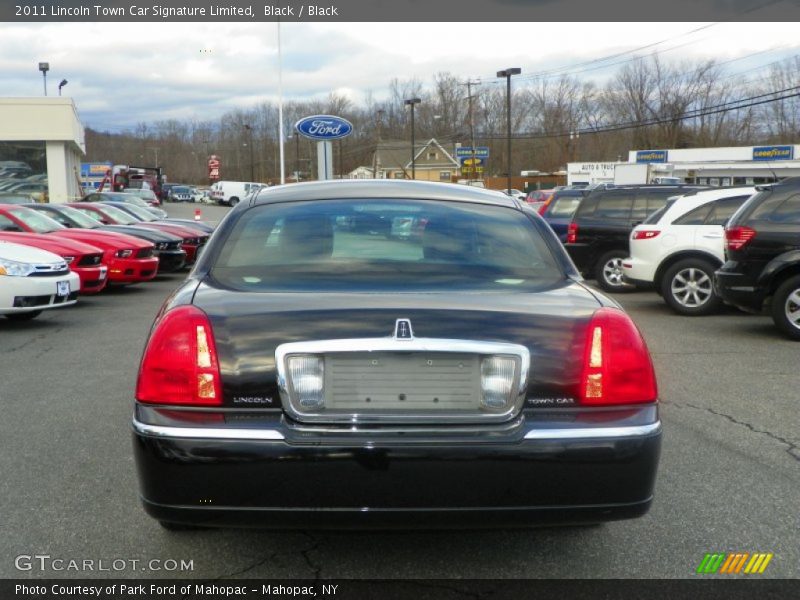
x=471 y=127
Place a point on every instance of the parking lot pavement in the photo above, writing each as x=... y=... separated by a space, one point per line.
x=728 y=480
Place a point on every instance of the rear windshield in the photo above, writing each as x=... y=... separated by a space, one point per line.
x=655 y=217
x=564 y=207
x=382 y=245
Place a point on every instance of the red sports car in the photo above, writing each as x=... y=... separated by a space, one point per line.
x=83 y=259
x=129 y=259
x=193 y=239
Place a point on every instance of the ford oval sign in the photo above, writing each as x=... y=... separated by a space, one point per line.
x=324 y=127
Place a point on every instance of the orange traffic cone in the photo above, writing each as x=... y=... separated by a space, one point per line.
x=197 y=214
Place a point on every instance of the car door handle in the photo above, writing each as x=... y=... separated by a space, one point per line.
x=712 y=236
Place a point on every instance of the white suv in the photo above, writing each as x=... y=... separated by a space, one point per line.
x=678 y=248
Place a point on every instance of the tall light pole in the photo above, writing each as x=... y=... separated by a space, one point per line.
x=252 y=164
x=507 y=73
x=44 y=68
x=411 y=102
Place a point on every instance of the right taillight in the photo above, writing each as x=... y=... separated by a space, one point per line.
x=180 y=365
x=617 y=368
x=572 y=233
x=737 y=238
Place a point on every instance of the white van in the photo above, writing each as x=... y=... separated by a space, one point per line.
x=232 y=192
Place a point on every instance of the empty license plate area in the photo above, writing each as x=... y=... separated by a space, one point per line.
x=398 y=381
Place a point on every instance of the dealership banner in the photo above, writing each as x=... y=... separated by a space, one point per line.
x=398 y=589
x=442 y=11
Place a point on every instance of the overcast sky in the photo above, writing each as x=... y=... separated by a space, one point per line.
x=121 y=74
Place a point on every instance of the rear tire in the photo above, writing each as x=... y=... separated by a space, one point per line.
x=608 y=272
x=786 y=307
x=233 y=201
x=26 y=316
x=688 y=288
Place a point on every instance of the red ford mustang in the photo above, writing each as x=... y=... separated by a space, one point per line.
x=129 y=259
x=83 y=259
x=111 y=215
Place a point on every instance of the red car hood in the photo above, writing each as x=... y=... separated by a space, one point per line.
x=107 y=240
x=60 y=246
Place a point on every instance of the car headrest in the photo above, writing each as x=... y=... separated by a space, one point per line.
x=449 y=240
x=307 y=237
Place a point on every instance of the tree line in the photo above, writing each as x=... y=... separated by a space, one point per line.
x=646 y=104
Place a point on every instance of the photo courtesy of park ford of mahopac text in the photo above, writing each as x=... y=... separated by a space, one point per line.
x=399 y=300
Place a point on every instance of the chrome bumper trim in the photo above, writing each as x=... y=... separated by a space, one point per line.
x=594 y=432
x=205 y=432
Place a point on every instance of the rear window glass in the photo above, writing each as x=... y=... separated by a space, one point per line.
x=564 y=207
x=380 y=245
x=788 y=211
x=655 y=217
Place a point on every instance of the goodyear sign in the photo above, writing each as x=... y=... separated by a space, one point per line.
x=651 y=156
x=466 y=152
x=773 y=153
x=97 y=169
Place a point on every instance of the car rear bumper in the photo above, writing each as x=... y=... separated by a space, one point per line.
x=636 y=270
x=532 y=473
x=583 y=255
x=738 y=289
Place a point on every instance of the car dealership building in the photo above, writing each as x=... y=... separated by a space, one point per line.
x=41 y=142
x=741 y=165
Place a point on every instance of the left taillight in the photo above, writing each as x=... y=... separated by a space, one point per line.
x=617 y=368
x=179 y=365
x=644 y=234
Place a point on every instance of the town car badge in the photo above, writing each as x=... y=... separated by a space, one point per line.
x=402 y=330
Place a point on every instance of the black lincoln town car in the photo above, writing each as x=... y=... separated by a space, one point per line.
x=322 y=368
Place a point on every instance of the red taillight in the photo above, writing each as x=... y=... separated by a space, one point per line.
x=737 y=238
x=617 y=368
x=179 y=365
x=572 y=233
x=645 y=234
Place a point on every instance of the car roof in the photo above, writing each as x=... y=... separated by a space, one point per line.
x=687 y=202
x=381 y=189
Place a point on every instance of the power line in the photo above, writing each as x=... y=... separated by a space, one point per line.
x=727 y=107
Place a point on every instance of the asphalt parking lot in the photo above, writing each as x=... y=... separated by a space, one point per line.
x=728 y=480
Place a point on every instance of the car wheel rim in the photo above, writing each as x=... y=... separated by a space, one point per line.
x=792 y=309
x=612 y=272
x=692 y=287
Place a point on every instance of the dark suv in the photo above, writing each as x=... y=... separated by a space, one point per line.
x=597 y=237
x=762 y=248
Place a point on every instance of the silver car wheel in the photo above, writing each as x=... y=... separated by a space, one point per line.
x=612 y=272
x=692 y=287
x=791 y=309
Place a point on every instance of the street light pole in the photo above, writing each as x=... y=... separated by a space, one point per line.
x=411 y=102
x=507 y=73
x=252 y=165
x=44 y=68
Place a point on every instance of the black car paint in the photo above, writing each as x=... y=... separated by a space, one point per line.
x=411 y=476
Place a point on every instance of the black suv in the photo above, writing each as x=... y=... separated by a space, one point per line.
x=597 y=237
x=762 y=248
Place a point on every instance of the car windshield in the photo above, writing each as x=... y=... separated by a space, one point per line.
x=120 y=216
x=181 y=190
x=140 y=213
x=80 y=218
x=379 y=245
x=38 y=222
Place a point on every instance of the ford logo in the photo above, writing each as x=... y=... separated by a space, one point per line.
x=324 y=127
